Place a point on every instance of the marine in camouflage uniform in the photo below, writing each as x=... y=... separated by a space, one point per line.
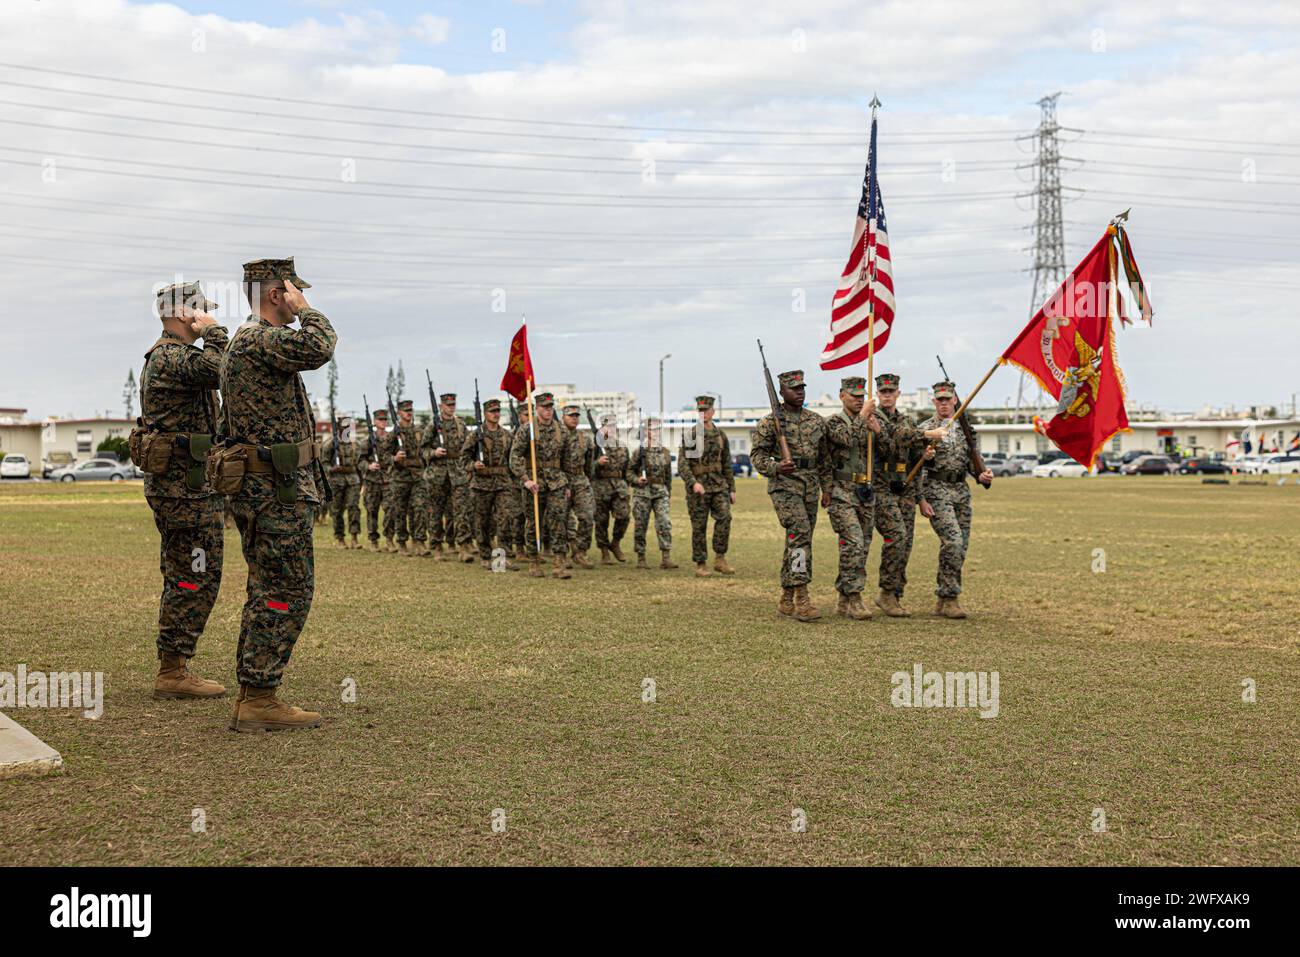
x=374 y=482
x=407 y=500
x=178 y=400
x=491 y=484
x=558 y=456
x=850 y=507
x=651 y=473
x=447 y=482
x=704 y=463
x=268 y=414
x=613 y=500
x=947 y=496
x=898 y=446
x=523 y=501
x=580 y=521
x=795 y=488
x=345 y=481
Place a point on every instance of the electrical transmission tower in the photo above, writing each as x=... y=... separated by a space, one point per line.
x=1049 y=226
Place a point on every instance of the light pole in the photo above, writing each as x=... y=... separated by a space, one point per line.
x=661 y=386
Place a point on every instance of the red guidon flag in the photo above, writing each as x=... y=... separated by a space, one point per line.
x=519 y=366
x=1069 y=347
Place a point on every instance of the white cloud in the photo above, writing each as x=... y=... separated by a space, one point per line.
x=431 y=29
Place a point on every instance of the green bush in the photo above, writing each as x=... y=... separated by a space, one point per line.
x=115 y=445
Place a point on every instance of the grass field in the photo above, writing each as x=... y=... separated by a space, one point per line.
x=1119 y=690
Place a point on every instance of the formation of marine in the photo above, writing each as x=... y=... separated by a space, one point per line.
x=227 y=430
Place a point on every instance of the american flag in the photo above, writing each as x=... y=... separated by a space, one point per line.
x=857 y=295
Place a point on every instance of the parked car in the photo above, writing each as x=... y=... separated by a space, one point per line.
x=1203 y=467
x=1060 y=468
x=15 y=466
x=1051 y=455
x=740 y=465
x=55 y=461
x=1149 y=465
x=1005 y=468
x=95 y=470
x=1279 y=465
x=1129 y=456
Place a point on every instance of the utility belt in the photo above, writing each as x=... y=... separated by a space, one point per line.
x=153 y=451
x=802 y=462
x=491 y=470
x=894 y=476
x=946 y=475
x=848 y=475
x=548 y=464
x=712 y=469
x=605 y=472
x=342 y=469
x=230 y=460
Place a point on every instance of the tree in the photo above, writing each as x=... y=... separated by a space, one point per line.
x=333 y=381
x=401 y=379
x=392 y=384
x=128 y=393
x=116 y=446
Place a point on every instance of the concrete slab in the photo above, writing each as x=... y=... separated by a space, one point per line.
x=22 y=753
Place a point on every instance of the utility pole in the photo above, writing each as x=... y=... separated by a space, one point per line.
x=661 y=385
x=1049 y=226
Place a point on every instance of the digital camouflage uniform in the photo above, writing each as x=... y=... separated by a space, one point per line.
x=796 y=496
x=177 y=396
x=345 y=483
x=655 y=496
x=407 y=500
x=705 y=457
x=557 y=459
x=580 y=521
x=493 y=490
x=899 y=446
x=946 y=490
x=265 y=404
x=850 y=511
x=613 y=500
x=374 y=484
x=450 y=504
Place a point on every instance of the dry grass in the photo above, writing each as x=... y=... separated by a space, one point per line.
x=1119 y=690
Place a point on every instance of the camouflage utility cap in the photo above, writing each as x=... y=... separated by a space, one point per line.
x=854 y=385
x=792 y=379
x=263 y=270
x=945 y=390
x=172 y=297
x=887 y=380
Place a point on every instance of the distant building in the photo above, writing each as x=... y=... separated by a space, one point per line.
x=18 y=436
x=81 y=437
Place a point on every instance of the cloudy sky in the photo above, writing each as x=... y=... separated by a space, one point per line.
x=640 y=179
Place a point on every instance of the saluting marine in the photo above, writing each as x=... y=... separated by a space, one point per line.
x=275 y=495
x=795 y=487
x=704 y=463
x=946 y=498
x=178 y=417
x=651 y=471
x=345 y=481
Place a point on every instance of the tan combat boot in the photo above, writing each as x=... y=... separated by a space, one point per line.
x=702 y=570
x=640 y=560
x=951 y=608
x=618 y=553
x=850 y=606
x=355 y=544
x=667 y=562
x=581 y=560
x=786 y=604
x=373 y=544
x=535 y=569
x=389 y=545
x=887 y=602
x=467 y=555
x=605 y=558
x=176 y=681
x=258 y=709
x=804 y=609
x=558 y=568
x=339 y=543
x=721 y=567
x=402 y=548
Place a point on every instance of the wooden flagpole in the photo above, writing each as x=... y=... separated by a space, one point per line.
x=956 y=415
x=532 y=453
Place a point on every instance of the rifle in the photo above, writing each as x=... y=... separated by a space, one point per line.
x=397 y=423
x=433 y=401
x=776 y=408
x=514 y=415
x=976 y=460
x=596 y=439
x=478 y=422
x=335 y=438
x=372 y=447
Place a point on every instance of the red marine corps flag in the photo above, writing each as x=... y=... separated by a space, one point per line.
x=518 y=380
x=1069 y=345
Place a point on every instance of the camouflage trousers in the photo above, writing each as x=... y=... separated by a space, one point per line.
x=189 y=557
x=277 y=544
x=699 y=508
x=494 y=516
x=521 y=533
x=582 y=514
x=347 y=497
x=951 y=522
x=450 y=509
x=797 y=513
x=374 y=500
x=554 y=507
x=652 y=498
x=853 y=523
x=613 y=505
x=407 y=504
x=895 y=521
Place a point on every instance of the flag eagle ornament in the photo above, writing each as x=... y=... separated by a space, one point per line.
x=864 y=300
x=1069 y=346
